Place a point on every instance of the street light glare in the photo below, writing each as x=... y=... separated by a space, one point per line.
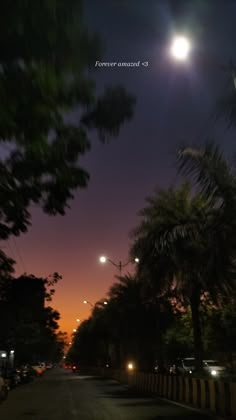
x=130 y=366
x=180 y=48
x=102 y=259
x=89 y=303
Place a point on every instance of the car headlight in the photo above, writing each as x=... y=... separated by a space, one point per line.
x=213 y=372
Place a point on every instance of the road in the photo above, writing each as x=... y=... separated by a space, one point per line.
x=62 y=395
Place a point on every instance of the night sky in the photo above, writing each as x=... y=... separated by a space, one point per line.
x=176 y=103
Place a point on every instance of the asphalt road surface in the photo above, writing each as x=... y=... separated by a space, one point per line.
x=62 y=395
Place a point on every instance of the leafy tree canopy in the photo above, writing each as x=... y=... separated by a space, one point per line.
x=26 y=324
x=45 y=54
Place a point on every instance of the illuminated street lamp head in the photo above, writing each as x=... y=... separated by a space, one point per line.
x=89 y=303
x=78 y=320
x=180 y=48
x=102 y=259
x=136 y=260
x=130 y=366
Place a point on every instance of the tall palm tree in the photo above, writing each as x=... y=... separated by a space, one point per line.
x=180 y=227
x=155 y=272
x=129 y=316
x=214 y=176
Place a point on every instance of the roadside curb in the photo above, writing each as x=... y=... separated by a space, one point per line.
x=198 y=410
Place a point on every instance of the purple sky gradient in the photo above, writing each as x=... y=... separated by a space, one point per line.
x=174 y=104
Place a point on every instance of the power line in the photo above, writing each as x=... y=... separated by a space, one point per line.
x=20 y=257
x=11 y=249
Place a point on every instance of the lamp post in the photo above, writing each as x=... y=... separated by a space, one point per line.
x=105 y=302
x=86 y=302
x=118 y=265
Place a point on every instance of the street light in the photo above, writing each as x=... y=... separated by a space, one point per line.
x=86 y=302
x=77 y=320
x=130 y=366
x=118 y=265
x=180 y=48
x=92 y=305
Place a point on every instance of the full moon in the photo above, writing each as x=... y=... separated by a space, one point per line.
x=180 y=48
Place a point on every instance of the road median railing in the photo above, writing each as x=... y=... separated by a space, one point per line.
x=215 y=396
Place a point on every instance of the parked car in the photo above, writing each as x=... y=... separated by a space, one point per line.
x=39 y=368
x=26 y=373
x=186 y=366
x=3 y=387
x=12 y=377
x=164 y=369
x=183 y=366
x=214 y=368
x=49 y=366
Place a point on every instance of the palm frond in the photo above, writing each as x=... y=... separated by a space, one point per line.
x=210 y=171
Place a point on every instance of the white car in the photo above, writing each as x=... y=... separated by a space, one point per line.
x=214 y=368
x=186 y=366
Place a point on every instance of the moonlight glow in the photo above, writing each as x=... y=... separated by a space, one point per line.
x=180 y=48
